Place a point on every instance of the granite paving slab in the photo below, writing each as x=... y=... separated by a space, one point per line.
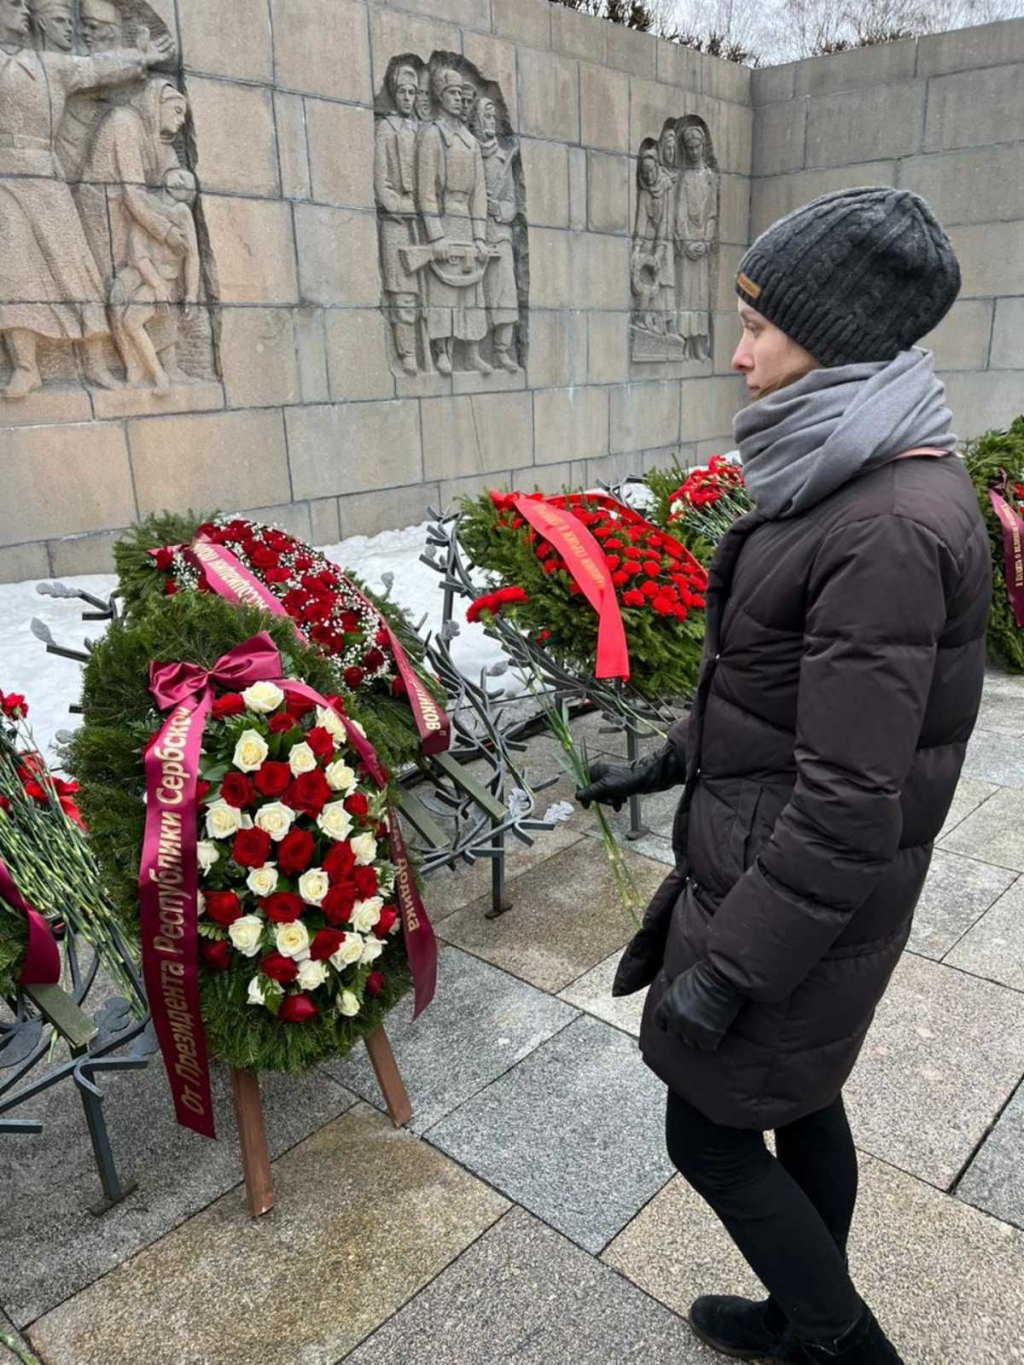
x=8 y=1330
x=481 y=1022
x=1002 y=711
x=366 y=1216
x=994 y=833
x=445 y=891
x=942 y=1057
x=956 y=894
x=946 y=1281
x=555 y=1304
x=593 y=992
x=969 y=794
x=994 y=947
x=566 y=917
x=995 y=758
x=994 y=1181
x=575 y=1133
x=51 y=1246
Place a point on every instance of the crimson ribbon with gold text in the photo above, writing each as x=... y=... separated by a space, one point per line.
x=1013 y=547
x=41 y=966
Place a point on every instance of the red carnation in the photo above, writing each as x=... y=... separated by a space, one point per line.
x=375 y=983
x=231 y=704
x=365 y=879
x=14 y=705
x=282 y=907
x=321 y=742
x=222 y=907
x=280 y=723
x=338 y=904
x=297 y=1009
x=652 y=568
x=272 y=779
x=340 y=861
x=279 y=968
x=309 y=793
x=251 y=847
x=357 y=805
x=353 y=677
x=216 y=953
x=326 y=943
x=236 y=790
x=295 y=852
x=386 y=923
x=5 y=804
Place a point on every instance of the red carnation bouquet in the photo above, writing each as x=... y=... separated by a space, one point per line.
x=658 y=583
x=703 y=507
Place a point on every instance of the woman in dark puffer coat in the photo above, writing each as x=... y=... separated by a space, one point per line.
x=842 y=676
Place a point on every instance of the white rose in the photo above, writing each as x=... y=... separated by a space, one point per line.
x=340 y=777
x=328 y=718
x=335 y=821
x=246 y=933
x=372 y=950
x=358 y=728
x=222 y=820
x=292 y=939
x=350 y=950
x=275 y=819
x=314 y=885
x=256 y=996
x=262 y=881
x=263 y=697
x=250 y=751
x=364 y=846
x=207 y=854
x=365 y=914
x=349 y=1003
x=311 y=974
x=302 y=759
x=200 y=903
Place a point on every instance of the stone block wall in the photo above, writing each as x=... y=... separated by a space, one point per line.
x=941 y=115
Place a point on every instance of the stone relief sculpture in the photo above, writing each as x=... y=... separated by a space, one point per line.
x=675 y=238
x=450 y=204
x=99 y=247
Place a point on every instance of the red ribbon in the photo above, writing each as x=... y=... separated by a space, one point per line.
x=42 y=957
x=1013 y=547
x=585 y=560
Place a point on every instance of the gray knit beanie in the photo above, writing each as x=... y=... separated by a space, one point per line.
x=859 y=275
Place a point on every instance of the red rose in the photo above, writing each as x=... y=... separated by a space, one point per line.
x=251 y=847
x=365 y=879
x=280 y=723
x=277 y=575
x=326 y=943
x=216 y=953
x=264 y=558
x=349 y=621
x=222 y=907
x=279 y=968
x=309 y=793
x=373 y=659
x=386 y=922
x=236 y=790
x=170 y=588
x=231 y=704
x=282 y=907
x=202 y=789
x=375 y=983
x=340 y=861
x=337 y=905
x=297 y=1009
x=272 y=779
x=321 y=742
x=398 y=687
x=298 y=706
x=163 y=558
x=295 y=852
x=357 y=805
x=353 y=677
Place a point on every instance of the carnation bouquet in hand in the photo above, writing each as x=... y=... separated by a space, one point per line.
x=699 y=505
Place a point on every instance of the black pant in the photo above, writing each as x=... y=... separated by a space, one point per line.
x=789 y=1214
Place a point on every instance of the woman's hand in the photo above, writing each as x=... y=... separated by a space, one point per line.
x=699 y=1007
x=613 y=784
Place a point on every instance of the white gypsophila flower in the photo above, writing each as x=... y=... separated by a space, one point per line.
x=314 y=885
x=207 y=854
x=222 y=820
x=262 y=881
x=301 y=760
x=349 y=1004
x=250 y=752
x=364 y=846
x=348 y=951
x=256 y=995
x=340 y=777
x=372 y=950
x=311 y=974
x=263 y=697
x=275 y=819
x=335 y=821
x=329 y=720
x=245 y=934
x=365 y=914
x=292 y=939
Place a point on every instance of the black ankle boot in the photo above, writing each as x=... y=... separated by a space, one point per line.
x=864 y=1344
x=738 y=1327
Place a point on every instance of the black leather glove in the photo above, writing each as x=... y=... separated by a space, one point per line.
x=613 y=784
x=699 y=1007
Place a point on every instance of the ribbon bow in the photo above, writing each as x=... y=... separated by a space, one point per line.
x=253 y=661
x=42 y=958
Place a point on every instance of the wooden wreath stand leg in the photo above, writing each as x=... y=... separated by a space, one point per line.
x=252 y=1135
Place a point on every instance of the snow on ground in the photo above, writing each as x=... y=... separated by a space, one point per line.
x=50 y=684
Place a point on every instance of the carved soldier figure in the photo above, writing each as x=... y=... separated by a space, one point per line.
x=102 y=27
x=500 y=293
x=54 y=25
x=652 y=266
x=696 y=231
x=424 y=99
x=451 y=195
x=102 y=31
x=394 y=183
x=49 y=284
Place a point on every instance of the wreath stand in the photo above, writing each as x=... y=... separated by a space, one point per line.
x=252 y=1135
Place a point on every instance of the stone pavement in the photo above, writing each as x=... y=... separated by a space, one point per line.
x=529 y=1213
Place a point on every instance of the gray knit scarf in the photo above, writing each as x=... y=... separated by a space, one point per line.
x=804 y=441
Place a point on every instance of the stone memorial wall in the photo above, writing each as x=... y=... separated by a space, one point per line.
x=335 y=260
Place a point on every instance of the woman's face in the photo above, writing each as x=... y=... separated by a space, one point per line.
x=766 y=357
x=172 y=114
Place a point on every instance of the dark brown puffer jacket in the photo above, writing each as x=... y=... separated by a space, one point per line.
x=842 y=677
